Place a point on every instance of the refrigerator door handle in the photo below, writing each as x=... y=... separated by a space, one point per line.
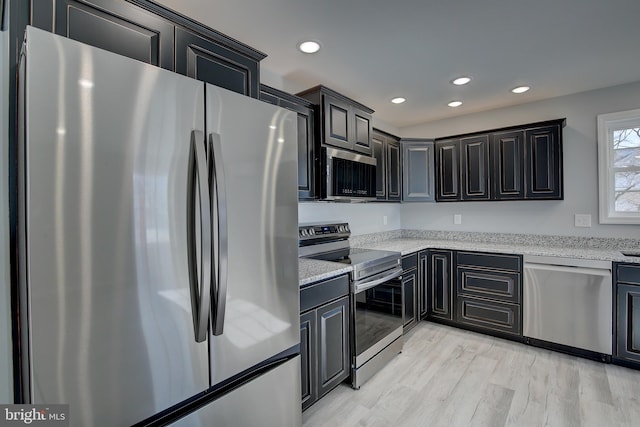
x=199 y=267
x=219 y=197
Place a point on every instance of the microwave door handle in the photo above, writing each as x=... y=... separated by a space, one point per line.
x=219 y=198
x=199 y=267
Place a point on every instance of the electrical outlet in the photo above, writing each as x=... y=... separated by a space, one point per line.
x=582 y=220
x=384 y=220
x=457 y=219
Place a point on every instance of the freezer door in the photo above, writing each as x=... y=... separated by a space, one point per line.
x=105 y=218
x=253 y=155
x=271 y=400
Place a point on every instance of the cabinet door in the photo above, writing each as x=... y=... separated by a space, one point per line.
x=393 y=170
x=474 y=168
x=378 y=149
x=333 y=344
x=337 y=124
x=441 y=284
x=116 y=26
x=447 y=170
x=205 y=59
x=308 y=359
x=418 y=176
x=628 y=323
x=423 y=290
x=543 y=166
x=409 y=299
x=361 y=137
x=507 y=165
x=306 y=136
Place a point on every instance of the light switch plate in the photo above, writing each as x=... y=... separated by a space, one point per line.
x=457 y=219
x=583 y=220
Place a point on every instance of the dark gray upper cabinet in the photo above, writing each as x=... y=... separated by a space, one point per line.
x=515 y=163
x=474 y=168
x=507 y=165
x=386 y=149
x=417 y=170
x=116 y=26
x=143 y=30
x=341 y=122
x=447 y=160
x=543 y=166
x=208 y=60
x=306 y=150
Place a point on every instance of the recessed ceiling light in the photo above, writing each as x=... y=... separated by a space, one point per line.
x=461 y=80
x=455 y=103
x=398 y=100
x=309 y=46
x=520 y=89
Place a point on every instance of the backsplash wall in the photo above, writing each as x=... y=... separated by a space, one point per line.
x=363 y=218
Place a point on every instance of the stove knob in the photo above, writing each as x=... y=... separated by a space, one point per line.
x=312 y=231
x=341 y=228
x=303 y=232
x=346 y=228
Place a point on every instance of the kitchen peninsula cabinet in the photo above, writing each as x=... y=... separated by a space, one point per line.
x=306 y=149
x=386 y=150
x=324 y=337
x=341 y=122
x=418 y=170
x=143 y=30
x=515 y=163
x=627 y=314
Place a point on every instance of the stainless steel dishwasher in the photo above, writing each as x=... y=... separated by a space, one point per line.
x=568 y=301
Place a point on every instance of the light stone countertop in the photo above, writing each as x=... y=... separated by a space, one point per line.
x=410 y=245
x=311 y=270
x=409 y=241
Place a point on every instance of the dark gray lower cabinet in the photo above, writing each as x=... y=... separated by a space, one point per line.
x=627 y=313
x=489 y=292
x=440 y=283
x=409 y=291
x=423 y=288
x=324 y=337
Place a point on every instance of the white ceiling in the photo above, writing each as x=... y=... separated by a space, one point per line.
x=374 y=50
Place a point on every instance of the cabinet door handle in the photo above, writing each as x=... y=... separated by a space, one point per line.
x=199 y=262
x=219 y=199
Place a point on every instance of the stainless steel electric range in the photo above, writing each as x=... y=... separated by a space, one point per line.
x=376 y=295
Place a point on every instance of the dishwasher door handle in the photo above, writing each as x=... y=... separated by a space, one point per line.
x=568 y=269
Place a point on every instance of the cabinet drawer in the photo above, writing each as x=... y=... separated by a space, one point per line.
x=489 y=284
x=489 y=315
x=497 y=261
x=322 y=292
x=410 y=261
x=628 y=273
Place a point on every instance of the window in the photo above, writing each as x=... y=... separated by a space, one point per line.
x=619 y=167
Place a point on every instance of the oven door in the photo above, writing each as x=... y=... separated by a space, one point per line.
x=377 y=319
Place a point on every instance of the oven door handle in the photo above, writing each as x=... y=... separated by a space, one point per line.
x=359 y=286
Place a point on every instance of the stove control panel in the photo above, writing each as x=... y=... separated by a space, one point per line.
x=324 y=231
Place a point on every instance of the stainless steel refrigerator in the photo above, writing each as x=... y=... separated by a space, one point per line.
x=157 y=244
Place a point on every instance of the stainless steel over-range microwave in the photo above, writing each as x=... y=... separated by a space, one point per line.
x=347 y=176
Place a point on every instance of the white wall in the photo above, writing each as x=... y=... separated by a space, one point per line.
x=580 y=169
x=363 y=218
x=5 y=308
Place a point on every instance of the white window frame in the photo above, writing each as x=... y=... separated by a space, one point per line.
x=607 y=123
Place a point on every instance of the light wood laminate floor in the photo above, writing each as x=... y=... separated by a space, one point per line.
x=451 y=377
